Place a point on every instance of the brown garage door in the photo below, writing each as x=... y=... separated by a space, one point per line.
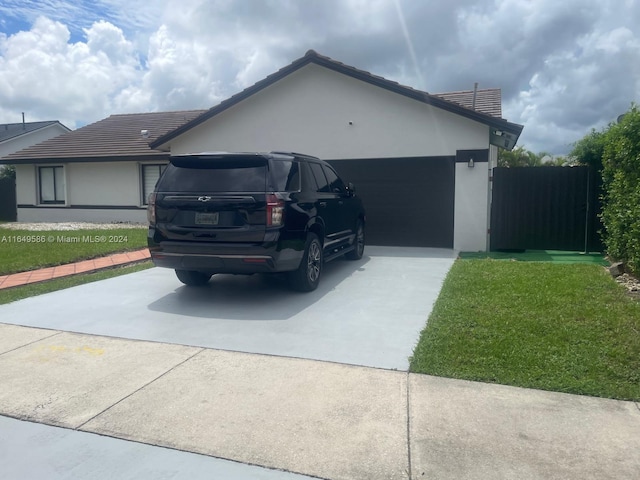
x=409 y=201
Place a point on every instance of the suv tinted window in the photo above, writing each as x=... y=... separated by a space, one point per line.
x=335 y=184
x=208 y=175
x=321 y=180
x=308 y=180
x=286 y=175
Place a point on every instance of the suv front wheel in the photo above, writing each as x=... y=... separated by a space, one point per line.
x=307 y=276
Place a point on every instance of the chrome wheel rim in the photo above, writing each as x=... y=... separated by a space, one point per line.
x=313 y=262
x=360 y=239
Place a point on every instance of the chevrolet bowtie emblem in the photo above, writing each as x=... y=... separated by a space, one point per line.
x=204 y=199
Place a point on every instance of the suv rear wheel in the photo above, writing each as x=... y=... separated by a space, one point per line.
x=307 y=277
x=189 y=277
x=356 y=254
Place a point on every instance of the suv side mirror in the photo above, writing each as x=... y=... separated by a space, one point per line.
x=351 y=189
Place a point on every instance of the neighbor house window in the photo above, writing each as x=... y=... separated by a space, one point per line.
x=150 y=176
x=51 y=181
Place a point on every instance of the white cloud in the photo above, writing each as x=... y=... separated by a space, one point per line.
x=564 y=67
x=46 y=76
x=579 y=88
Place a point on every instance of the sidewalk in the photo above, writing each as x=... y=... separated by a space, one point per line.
x=79 y=406
x=296 y=416
x=85 y=266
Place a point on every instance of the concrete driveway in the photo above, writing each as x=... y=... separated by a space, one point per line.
x=81 y=405
x=367 y=313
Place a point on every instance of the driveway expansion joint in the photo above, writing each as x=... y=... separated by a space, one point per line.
x=79 y=427
x=409 y=469
x=32 y=342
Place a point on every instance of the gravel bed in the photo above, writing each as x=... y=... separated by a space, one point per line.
x=40 y=227
x=632 y=284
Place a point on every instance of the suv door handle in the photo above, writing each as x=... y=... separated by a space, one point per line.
x=323 y=204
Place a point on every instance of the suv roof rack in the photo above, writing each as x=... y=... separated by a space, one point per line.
x=294 y=154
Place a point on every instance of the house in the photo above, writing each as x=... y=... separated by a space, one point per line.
x=101 y=172
x=17 y=136
x=421 y=162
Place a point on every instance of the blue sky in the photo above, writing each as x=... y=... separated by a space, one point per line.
x=563 y=67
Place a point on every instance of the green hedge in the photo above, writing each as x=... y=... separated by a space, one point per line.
x=621 y=177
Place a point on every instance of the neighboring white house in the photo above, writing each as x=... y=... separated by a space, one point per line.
x=15 y=137
x=18 y=136
x=421 y=162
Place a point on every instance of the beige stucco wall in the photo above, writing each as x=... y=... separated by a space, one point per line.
x=115 y=184
x=471 y=213
x=309 y=111
x=26 y=186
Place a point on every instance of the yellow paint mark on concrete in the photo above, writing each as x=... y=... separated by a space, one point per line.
x=64 y=349
x=57 y=348
x=93 y=351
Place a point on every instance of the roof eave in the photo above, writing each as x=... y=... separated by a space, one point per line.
x=126 y=158
x=160 y=142
x=35 y=130
x=311 y=56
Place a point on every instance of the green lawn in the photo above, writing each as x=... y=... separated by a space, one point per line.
x=22 y=250
x=18 y=293
x=566 y=328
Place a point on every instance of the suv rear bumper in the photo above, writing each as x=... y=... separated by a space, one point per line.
x=241 y=258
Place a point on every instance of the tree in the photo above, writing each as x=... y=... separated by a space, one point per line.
x=7 y=171
x=559 y=161
x=521 y=157
x=518 y=157
x=589 y=150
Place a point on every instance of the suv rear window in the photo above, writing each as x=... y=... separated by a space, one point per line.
x=201 y=174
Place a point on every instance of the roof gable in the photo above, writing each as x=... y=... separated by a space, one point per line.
x=9 y=131
x=504 y=132
x=118 y=137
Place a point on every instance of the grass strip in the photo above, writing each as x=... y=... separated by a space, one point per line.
x=565 y=328
x=18 y=293
x=23 y=250
x=555 y=256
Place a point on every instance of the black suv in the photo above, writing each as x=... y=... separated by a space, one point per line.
x=247 y=213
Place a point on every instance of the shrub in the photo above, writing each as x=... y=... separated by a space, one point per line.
x=621 y=177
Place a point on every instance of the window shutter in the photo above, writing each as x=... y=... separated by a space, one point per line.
x=150 y=176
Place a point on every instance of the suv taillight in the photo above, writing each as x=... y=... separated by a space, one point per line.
x=151 y=209
x=275 y=211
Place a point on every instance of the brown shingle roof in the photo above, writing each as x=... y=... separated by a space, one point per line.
x=117 y=137
x=488 y=100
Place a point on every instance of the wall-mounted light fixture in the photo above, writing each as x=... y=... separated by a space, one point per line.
x=471 y=162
